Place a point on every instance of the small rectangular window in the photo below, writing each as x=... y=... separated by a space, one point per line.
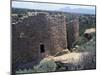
x=42 y=49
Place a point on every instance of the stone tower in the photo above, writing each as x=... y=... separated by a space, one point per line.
x=37 y=36
x=72 y=32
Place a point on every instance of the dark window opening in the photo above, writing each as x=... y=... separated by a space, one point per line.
x=42 y=50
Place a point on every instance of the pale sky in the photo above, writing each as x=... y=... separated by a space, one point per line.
x=46 y=6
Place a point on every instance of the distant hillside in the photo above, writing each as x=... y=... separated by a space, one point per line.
x=65 y=10
x=78 y=10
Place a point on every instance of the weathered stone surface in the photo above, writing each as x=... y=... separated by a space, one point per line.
x=72 y=32
x=88 y=34
x=57 y=31
x=28 y=34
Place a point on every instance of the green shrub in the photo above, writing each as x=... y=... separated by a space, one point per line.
x=89 y=46
x=21 y=71
x=82 y=40
x=45 y=66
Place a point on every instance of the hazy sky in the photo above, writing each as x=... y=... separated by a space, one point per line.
x=46 y=6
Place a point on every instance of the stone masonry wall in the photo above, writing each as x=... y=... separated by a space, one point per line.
x=72 y=32
x=57 y=30
x=28 y=34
